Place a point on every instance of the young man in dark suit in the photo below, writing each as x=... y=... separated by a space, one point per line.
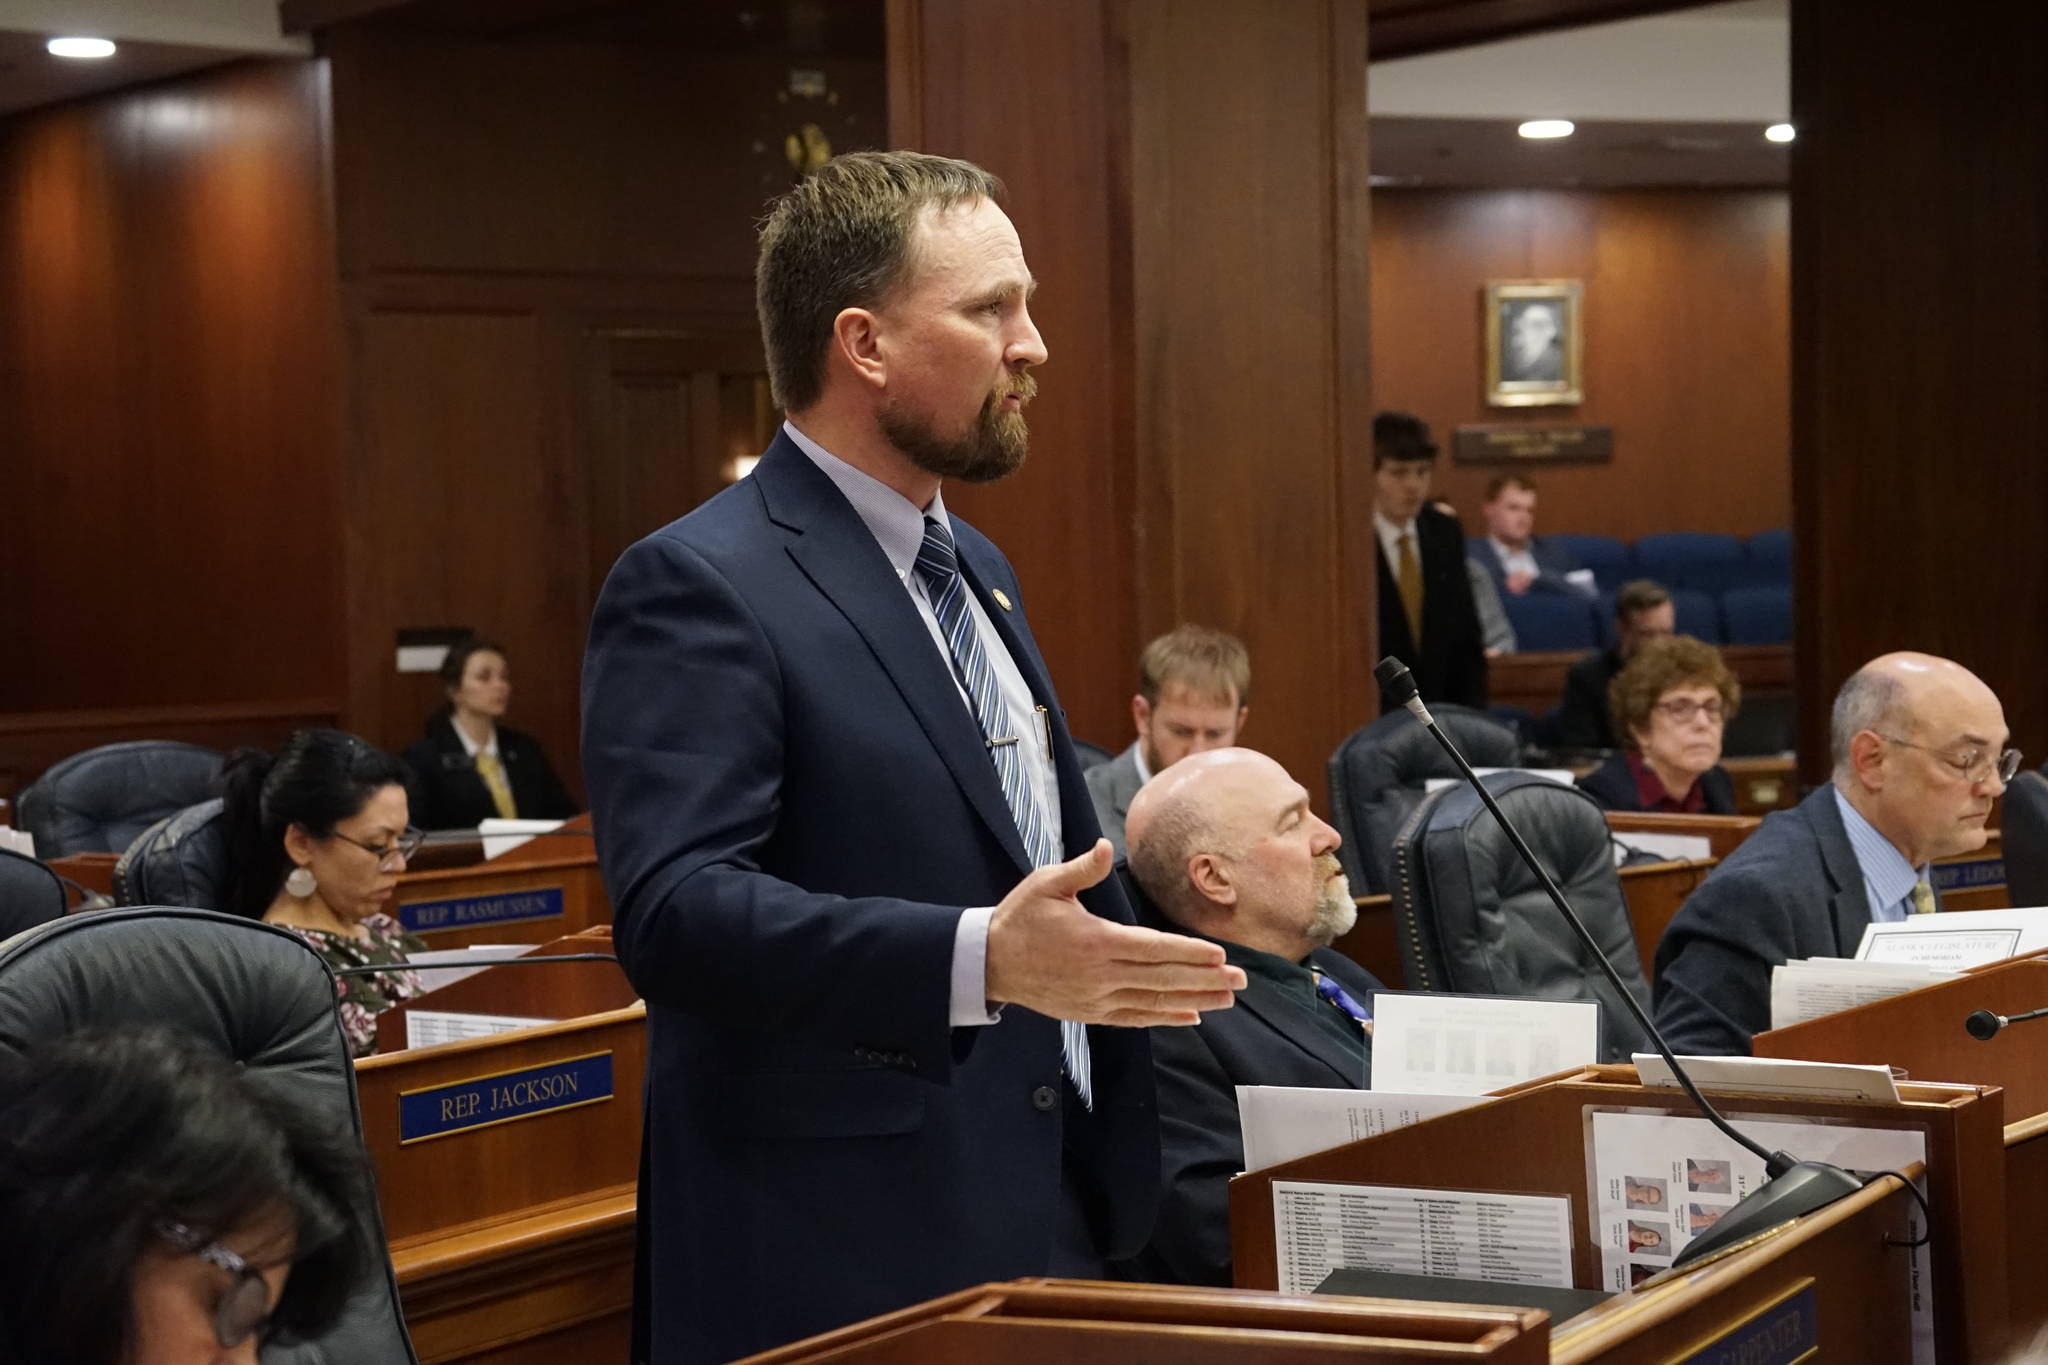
x=1920 y=754
x=1223 y=845
x=1427 y=618
x=857 y=877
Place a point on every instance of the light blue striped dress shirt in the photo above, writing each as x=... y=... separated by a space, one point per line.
x=1887 y=877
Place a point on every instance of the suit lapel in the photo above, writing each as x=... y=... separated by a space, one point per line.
x=1265 y=1002
x=838 y=553
x=1849 y=906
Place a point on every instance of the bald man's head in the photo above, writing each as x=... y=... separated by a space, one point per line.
x=1224 y=843
x=1916 y=741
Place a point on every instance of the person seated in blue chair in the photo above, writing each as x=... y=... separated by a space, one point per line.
x=1673 y=700
x=469 y=767
x=1513 y=555
x=1224 y=847
x=316 y=838
x=165 y=1207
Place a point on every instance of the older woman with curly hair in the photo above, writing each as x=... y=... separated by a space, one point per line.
x=1673 y=701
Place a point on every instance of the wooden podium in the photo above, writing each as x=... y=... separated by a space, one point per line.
x=1922 y=1031
x=507 y=1166
x=542 y=890
x=1080 y=1322
x=1532 y=1140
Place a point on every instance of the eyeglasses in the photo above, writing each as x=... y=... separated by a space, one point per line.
x=244 y=1309
x=1974 y=765
x=397 y=851
x=1683 y=709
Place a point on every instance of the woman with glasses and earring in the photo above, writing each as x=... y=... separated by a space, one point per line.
x=1673 y=701
x=164 y=1207
x=316 y=839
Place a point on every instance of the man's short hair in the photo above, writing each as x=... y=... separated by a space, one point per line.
x=1636 y=597
x=841 y=238
x=1400 y=436
x=1212 y=665
x=1872 y=699
x=1500 y=483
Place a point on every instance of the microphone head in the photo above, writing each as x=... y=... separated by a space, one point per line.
x=1983 y=1024
x=1397 y=684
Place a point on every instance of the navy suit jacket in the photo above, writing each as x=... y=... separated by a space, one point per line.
x=1553 y=562
x=793 y=805
x=1793 y=890
x=1450 y=663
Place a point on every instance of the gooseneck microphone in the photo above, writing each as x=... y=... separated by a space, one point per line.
x=1793 y=1187
x=1984 y=1025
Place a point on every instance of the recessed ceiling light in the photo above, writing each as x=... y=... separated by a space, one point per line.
x=1780 y=132
x=79 y=47
x=1546 y=127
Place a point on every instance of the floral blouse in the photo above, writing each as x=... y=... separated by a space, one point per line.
x=360 y=999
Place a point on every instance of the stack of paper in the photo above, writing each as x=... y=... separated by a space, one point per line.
x=1809 y=988
x=18 y=841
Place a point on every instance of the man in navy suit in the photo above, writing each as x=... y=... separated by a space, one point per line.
x=1223 y=845
x=855 y=871
x=1513 y=555
x=1920 y=755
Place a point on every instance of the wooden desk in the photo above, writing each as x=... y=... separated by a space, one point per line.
x=1534 y=679
x=513 y=1241
x=94 y=871
x=1763 y=785
x=1975 y=881
x=1083 y=1322
x=547 y=895
x=1723 y=833
x=1654 y=892
x=1832 y=1249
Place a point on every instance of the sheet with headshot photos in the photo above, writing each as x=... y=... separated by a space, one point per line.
x=1660 y=1180
x=1431 y=1043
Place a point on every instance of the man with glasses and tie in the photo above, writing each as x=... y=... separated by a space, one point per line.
x=1919 y=748
x=1223 y=845
x=856 y=873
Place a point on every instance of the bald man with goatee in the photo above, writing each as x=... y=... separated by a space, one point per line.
x=1223 y=846
x=1919 y=748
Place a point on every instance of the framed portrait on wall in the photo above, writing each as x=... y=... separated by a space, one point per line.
x=1533 y=355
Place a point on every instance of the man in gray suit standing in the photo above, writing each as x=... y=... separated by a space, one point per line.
x=1194 y=689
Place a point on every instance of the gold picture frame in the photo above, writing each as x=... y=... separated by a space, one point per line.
x=1534 y=354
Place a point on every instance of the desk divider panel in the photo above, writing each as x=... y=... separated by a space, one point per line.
x=1532 y=1140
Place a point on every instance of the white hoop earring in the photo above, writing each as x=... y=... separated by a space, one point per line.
x=301 y=883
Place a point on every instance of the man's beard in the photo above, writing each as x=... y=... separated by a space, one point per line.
x=1335 y=912
x=992 y=448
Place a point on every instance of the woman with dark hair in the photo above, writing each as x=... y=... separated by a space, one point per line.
x=470 y=768
x=316 y=839
x=163 y=1206
x=1673 y=701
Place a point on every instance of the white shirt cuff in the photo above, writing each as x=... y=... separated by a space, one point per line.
x=970 y=969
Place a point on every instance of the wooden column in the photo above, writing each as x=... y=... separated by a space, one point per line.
x=1189 y=177
x=1920 y=343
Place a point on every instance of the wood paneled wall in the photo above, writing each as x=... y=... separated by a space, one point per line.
x=170 y=512
x=1189 y=187
x=547 y=259
x=1920 y=323
x=1687 y=338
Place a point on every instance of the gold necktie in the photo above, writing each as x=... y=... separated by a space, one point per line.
x=1923 y=898
x=493 y=774
x=1410 y=578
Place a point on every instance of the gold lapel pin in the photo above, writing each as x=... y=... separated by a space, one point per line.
x=1001 y=600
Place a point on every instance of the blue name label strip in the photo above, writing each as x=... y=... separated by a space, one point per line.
x=482 y=1102
x=505 y=907
x=1786 y=1332
x=1968 y=876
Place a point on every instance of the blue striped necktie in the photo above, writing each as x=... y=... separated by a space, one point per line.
x=939 y=566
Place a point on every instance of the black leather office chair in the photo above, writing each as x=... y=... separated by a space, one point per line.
x=98 y=801
x=1377 y=775
x=179 y=860
x=256 y=993
x=2023 y=836
x=30 y=894
x=1090 y=755
x=1472 y=918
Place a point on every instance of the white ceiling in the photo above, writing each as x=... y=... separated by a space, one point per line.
x=157 y=38
x=1718 y=63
